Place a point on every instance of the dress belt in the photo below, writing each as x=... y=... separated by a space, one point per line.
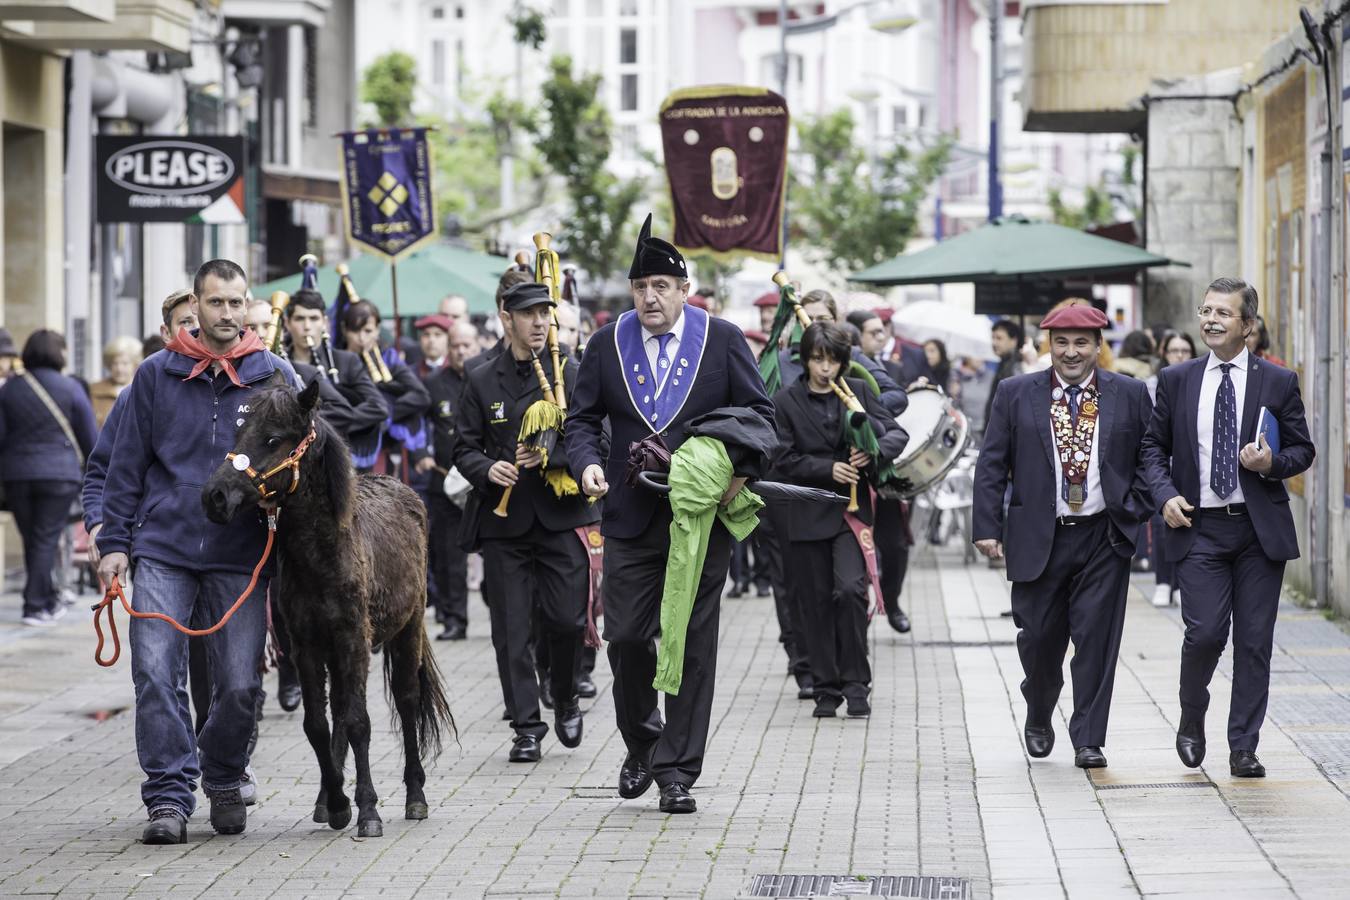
x=1079 y=520
x=1229 y=509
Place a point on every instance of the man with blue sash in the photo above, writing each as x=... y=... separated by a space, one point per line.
x=653 y=371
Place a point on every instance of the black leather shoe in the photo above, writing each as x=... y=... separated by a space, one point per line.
x=228 y=813
x=635 y=776
x=675 y=798
x=455 y=632
x=1191 y=743
x=586 y=686
x=288 y=687
x=763 y=590
x=525 y=748
x=899 y=621
x=1089 y=758
x=737 y=591
x=1244 y=764
x=825 y=707
x=859 y=708
x=1040 y=740
x=567 y=723
x=167 y=826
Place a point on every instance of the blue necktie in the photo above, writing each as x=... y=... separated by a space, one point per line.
x=1074 y=391
x=1224 y=449
x=662 y=363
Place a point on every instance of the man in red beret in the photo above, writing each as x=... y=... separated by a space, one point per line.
x=1064 y=446
x=767 y=304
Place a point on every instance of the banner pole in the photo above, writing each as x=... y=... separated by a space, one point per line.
x=393 y=279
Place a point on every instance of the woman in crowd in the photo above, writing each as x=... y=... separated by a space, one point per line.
x=1176 y=347
x=120 y=359
x=939 y=366
x=824 y=563
x=1258 y=343
x=1136 y=355
x=403 y=392
x=46 y=431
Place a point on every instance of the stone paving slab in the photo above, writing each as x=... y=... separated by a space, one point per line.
x=935 y=783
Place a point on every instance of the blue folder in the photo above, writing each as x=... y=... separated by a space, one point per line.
x=1268 y=425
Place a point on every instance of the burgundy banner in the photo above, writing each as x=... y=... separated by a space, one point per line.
x=726 y=158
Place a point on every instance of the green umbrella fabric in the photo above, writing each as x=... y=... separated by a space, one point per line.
x=1012 y=248
x=424 y=279
x=700 y=472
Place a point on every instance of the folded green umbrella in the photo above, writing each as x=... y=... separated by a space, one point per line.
x=700 y=473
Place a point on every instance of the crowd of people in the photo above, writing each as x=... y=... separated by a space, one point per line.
x=667 y=417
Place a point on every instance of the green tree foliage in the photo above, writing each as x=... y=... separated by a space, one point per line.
x=573 y=135
x=530 y=29
x=845 y=216
x=388 y=84
x=1097 y=208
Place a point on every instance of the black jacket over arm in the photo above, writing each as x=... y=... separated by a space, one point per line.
x=807 y=452
x=727 y=376
x=1171 y=451
x=1019 y=447
x=446 y=391
x=491 y=409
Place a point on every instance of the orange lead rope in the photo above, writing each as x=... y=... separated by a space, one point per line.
x=115 y=591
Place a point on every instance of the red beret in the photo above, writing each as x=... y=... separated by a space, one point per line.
x=757 y=336
x=884 y=313
x=769 y=299
x=435 y=320
x=698 y=300
x=1076 y=316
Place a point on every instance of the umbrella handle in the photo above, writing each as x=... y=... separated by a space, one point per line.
x=656 y=482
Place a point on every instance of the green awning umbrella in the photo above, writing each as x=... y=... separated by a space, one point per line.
x=424 y=279
x=1010 y=249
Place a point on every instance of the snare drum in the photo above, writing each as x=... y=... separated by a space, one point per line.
x=938 y=435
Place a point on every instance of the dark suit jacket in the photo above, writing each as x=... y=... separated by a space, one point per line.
x=1172 y=438
x=807 y=452
x=728 y=376
x=494 y=401
x=1018 y=446
x=446 y=389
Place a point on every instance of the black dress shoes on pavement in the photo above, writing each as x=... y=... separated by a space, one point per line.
x=1089 y=758
x=675 y=798
x=288 y=686
x=899 y=621
x=1040 y=740
x=167 y=826
x=453 y=632
x=738 y=590
x=1244 y=764
x=525 y=748
x=635 y=776
x=859 y=708
x=1191 y=743
x=825 y=707
x=567 y=723
x=586 y=686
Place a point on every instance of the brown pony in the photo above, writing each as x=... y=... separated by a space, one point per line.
x=352 y=563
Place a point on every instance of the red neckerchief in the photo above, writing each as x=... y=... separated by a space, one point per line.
x=188 y=345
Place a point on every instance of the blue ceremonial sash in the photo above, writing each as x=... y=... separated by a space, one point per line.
x=659 y=396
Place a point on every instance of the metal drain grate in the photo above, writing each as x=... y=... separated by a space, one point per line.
x=965 y=643
x=1156 y=784
x=939 y=887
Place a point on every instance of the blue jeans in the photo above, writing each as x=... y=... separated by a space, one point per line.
x=165 y=743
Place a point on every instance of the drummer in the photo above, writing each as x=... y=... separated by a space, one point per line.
x=824 y=549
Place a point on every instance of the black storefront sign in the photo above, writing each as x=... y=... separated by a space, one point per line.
x=170 y=178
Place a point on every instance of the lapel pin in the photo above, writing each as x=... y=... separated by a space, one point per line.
x=685 y=362
x=642 y=379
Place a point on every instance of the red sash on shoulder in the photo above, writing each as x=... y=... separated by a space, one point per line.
x=594 y=542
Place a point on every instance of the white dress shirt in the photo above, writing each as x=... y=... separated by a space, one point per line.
x=1094 y=502
x=652 y=344
x=1204 y=421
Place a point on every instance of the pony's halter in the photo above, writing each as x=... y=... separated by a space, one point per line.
x=292 y=461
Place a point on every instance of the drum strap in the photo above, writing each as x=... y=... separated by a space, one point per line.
x=594 y=544
x=862 y=533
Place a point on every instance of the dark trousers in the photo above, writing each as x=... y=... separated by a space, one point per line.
x=832 y=580
x=1079 y=596
x=635 y=574
x=785 y=603
x=448 y=586
x=1227 y=578
x=892 y=537
x=41 y=510
x=552 y=567
x=1164 y=569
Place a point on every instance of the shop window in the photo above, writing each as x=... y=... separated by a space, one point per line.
x=628 y=93
x=628 y=46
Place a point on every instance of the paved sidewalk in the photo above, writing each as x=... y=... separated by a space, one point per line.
x=934 y=784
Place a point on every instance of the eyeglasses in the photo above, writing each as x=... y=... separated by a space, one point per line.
x=1223 y=315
